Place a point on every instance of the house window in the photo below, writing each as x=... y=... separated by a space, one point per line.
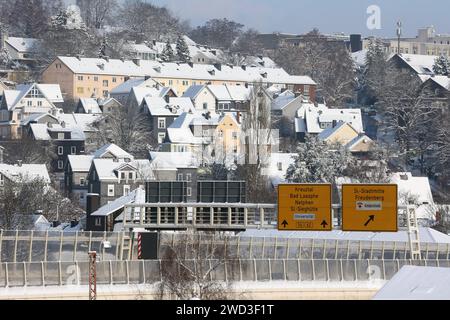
x=98 y=222
x=39 y=103
x=110 y=190
x=280 y=166
x=105 y=93
x=82 y=182
x=205 y=106
x=61 y=136
x=2 y=181
x=60 y=150
x=80 y=78
x=180 y=177
x=60 y=164
x=96 y=79
x=189 y=192
x=170 y=82
x=235 y=135
x=161 y=123
x=126 y=190
x=185 y=83
x=73 y=150
x=29 y=103
x=122 y=176
x=114 y=79
x=130 y=176
x=188 y=177
x=105 y=83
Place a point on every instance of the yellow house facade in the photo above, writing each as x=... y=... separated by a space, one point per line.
x=92 y=77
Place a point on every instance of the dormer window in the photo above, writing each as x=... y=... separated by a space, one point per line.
x=122 y=176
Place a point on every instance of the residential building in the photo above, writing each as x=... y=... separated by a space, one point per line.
x=287 y=103
x=427 y=42
x=312 y=119
x=97 y=106
x=63 y=140
x=114 y=178
x=91 y=77
x=78 y=166
x=24 y=101
x=22 y=173
x=162 y=113
x=86 y=123
x=177 y=166
x=146 y=84
x=22 y=50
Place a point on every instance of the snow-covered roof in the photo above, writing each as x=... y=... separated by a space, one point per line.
x=283 y=99
x=427 y=235
x=139 y=82
x=360 y=57
x=26 y=171
x=176 y=106
x=140 y=48
x=173 y=160
x=359 y=139
x=107 y=168
x=203 y=72
x=442 y=81
x=422 y=64
x=278 y=165
x=35 y=117
x=193 y=91
x=134 y=197
x=39 y=131
x=417 y=283
x=52 y=92
x=230 y=93
x=314 y=116
x=113 y=150
x=80 y=163
x=415 y=186
x=90 y=105
x=23 y=44
x=83 y=121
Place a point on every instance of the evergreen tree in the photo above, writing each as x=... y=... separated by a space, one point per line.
x=167 y=55
x=183 y=54
x=374 y=72
x=442 y=66
x=318 y=162
x=102 y=49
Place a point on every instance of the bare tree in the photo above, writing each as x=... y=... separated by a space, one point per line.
x=329 y=64
x=23 y=196
x=127 y=128
x=96 y=12
x=408 y=115
x=190 y=264
x=217 y=33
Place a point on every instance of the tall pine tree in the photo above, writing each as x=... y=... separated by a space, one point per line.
x=167 y=55
x=183 y=54
x=442 y=66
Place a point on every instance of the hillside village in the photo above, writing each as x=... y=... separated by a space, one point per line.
x=84 y=127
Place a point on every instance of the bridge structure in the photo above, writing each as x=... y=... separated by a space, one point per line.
x=60 y=259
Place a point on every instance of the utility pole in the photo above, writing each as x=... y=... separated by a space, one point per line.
x=92 y=275
x=399 y=34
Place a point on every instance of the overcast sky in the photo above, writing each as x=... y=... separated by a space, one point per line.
x=299 y=16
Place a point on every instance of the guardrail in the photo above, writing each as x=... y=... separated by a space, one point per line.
x=37 y=274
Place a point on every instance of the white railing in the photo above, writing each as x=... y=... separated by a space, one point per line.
x=38 y=274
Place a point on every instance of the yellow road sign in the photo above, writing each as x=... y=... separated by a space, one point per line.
x=304 y=207
x=371 y=207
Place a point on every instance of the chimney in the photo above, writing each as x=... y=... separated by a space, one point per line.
x=79 y=57
x=137 y=62
x=63 y=124
x=154 y=42
x=92 y=205
x=19 y=163
x=3 y=37
x=167 y=98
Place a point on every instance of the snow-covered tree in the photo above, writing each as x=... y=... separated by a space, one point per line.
x=318 y=162
x=102 y=49
x=442 y=66
x=374 y=72
x=167 y=54
x=183 y=54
